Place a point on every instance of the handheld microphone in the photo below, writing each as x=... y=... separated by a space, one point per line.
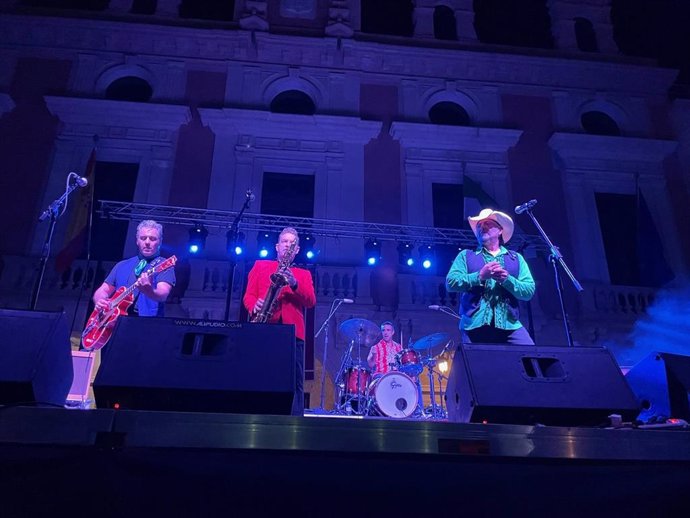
x=79 y=180
x=435 y=307
x=525 y=206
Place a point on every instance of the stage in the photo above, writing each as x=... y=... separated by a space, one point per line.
x=121 y=462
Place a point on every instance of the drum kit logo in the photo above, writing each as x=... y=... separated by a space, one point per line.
x=397 y=393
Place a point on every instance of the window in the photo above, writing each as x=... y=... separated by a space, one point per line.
x=585 y=35
x=293 y=101
x=393 y=17
x=449 y=114
x=221 y=10
x=286 y=194
x=598 y=123
x=618 y=221
x=448 y=204
x=445 y=27
x=129 y=88
x=112 y=181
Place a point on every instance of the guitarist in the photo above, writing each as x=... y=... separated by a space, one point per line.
x=152 y=291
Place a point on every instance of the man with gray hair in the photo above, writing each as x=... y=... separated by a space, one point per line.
x=152 y=290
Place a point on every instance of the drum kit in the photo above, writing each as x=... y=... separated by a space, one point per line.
x=397 y=393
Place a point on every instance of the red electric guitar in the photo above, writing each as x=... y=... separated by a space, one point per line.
x=100 y=325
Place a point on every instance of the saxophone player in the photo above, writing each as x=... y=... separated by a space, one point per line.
x=297 y=295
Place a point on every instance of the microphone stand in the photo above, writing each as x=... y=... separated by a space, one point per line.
x=52 y=212
x=334 y=307
x=556 y=257
x=232 y=238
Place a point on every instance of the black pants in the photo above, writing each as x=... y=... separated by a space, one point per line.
x=492 y=335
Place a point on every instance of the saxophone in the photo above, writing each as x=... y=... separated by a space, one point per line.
x=278 y=282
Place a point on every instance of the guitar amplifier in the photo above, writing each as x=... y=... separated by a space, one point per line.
x=198 y=366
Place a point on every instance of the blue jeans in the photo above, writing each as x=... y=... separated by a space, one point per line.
x=492 y=335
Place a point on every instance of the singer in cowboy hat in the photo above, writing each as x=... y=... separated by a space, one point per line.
x=492 y=279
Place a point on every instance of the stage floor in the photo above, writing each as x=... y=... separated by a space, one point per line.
x=136 y=462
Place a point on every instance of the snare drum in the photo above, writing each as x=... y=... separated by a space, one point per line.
x=409 y=361
x=394 y=395
x=355 y=381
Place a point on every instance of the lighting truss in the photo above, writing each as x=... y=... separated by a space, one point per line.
x=331 y=228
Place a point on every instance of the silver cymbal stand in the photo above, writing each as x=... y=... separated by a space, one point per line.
x=334 y=307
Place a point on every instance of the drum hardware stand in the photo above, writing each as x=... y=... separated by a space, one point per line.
x=324 y=327
x=436 y=412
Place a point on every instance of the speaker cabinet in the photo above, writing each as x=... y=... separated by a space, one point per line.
x=198 y=366
x=559 y=386
x=661 y=382
x=35 y=357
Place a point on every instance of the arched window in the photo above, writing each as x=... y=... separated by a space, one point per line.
x=598 y=123
x=585 y=35
x=129 y=88
x=444 y=23
x=449 y=114
x=293 y=101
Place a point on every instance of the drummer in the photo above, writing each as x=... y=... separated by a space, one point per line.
x=381 y=357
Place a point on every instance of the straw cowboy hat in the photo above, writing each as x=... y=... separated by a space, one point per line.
x=501 y=218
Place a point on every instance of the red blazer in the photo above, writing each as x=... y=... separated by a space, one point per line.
x=291 y=303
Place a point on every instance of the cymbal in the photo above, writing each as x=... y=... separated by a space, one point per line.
x=433 y=344
x=361 y=331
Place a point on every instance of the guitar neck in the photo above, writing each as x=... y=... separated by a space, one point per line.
x=151 y=271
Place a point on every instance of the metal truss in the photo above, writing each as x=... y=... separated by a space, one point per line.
x=222 y=219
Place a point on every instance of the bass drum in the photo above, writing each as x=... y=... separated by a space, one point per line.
x=394 y=395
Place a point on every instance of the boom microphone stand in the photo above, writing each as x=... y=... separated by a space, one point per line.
x=232 y=238
x=554 y=258
x=334 y=307
x=53 y=211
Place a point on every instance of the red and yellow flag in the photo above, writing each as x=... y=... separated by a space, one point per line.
x=77 y=231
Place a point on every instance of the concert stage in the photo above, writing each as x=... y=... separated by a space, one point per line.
x=122 y=462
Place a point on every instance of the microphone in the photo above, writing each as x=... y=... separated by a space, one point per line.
x=435 y=307
x=250 y=195
x=525 y=206
x=79 y=180
x=346 y=301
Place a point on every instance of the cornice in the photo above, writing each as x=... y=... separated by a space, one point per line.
x=456 y=138
x=264 y=124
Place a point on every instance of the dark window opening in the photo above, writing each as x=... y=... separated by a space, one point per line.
x=598 y=123
x=448 y=205
x=445 y=27
x=220 y=10
x=449 y=114
x=521 y=23
x=293 y=101
x=585 y=36
x=287 y=194
x=618 y=222
x=112 y=181
x=144 y=6
x=129 y=88
x=392 y=17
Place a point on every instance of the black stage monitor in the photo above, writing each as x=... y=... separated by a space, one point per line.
x=35 y=357
x=198 y=366
x=515 y=384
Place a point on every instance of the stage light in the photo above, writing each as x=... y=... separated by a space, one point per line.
x=373 y=251
x=307 y=249
x=426 y=256
x=266 y=242
x=197 y=239
x=405 y=254
x=235 y=243
x=443 y=366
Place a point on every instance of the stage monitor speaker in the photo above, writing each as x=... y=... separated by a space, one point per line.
x=198 y=366
x=35 y=357
x=559 y=386
x=661 y=382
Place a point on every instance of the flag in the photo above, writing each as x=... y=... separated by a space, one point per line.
x=77 y=231
x=475 y=198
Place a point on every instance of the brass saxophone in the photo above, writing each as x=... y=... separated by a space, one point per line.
x=278 y=282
